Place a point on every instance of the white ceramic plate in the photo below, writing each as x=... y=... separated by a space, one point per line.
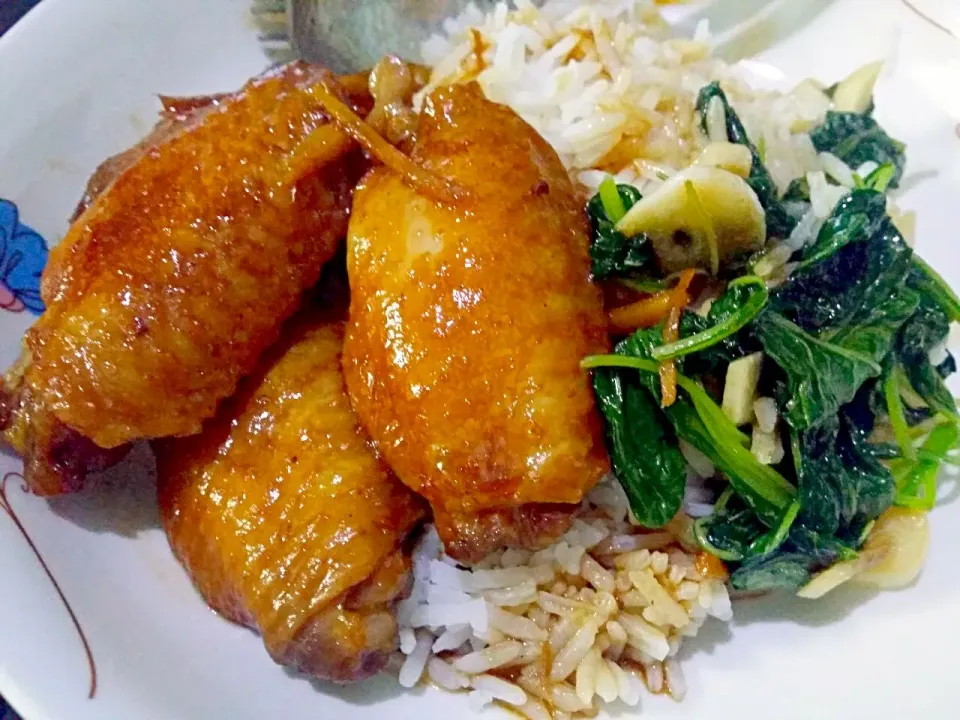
x=77 y=83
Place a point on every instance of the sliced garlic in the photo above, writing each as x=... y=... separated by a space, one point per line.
x=855 y=92
x=727 y=156
x=700 y=217
x=891 y=558
x=901 y=538
x=740 y=388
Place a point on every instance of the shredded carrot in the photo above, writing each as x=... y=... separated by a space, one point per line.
x=668 y=368
x=419 y=178
x=679 y=298
x=643 y=313
x=710 y=567
x=651 y=310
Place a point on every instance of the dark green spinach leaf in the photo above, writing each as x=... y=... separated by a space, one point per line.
x=783 y=571
x=928 y=328
x=928 y=282
x=857 y=138
x=643 y=450
x=821 y=376
x=613 y=253
x=858 y=252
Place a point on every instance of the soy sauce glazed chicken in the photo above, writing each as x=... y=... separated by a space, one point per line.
x=468 y=323
x=291 y=452
x=286 y=520
x=188 y=254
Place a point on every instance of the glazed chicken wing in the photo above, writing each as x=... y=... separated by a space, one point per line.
x=285 y=519
x=467 y=327
x=188 y=254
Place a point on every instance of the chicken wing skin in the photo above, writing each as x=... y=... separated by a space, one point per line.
x=467 y=327
x=179 y=272
x=286 y=520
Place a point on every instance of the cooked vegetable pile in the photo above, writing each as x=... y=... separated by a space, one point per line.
x=812 y=381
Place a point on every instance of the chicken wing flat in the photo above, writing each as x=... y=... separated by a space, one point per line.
x=285 y=519
x=467 y=327
x=189 y=253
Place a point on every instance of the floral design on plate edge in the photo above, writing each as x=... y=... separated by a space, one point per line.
x=23 y=255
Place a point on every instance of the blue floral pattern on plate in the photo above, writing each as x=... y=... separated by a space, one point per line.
x=23 y=255
x=6 y=712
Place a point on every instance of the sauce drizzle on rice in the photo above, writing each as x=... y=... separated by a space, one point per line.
x=598 y=616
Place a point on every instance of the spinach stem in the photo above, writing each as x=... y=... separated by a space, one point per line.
x=898 y=418
x=612 y=202
x=723 y=329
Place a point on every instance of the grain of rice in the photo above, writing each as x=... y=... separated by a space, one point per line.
x=653 y=674
x=705 y=598
x=473 y=612
x=533 y=709
x=445 y=675
x=523 y=593
x=586 y=677
x=683 y=559
x=629 y=543
x=688 y=590
x=673 y=676
x=602 y=642
x=559 y=605
x=765 y=410
x=563 y=632
x=489 y=658
x=665 y=606
x=837 y=169
x=408 y=640
x=500 y=689
x=479 y=699
x=628 y=686
x=567 y=659
x=516 y=626
x=697 y=460
x=564 y=697
x=531 y=652
x=645 y=636
x=416 y=661
x=674 y=643
x=597 y=575
x=637 y=656
x=639 y=560
x=505 y=577
x=720 y=606
x=606 y=682
x=618 y=639
x=540 y=616
x=676 y=574
x=515 y=557
x=634 y=599
x=659 y=562
x=440 y=595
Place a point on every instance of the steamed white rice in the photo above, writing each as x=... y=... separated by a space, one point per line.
x=599 y=616
x=595 y=618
